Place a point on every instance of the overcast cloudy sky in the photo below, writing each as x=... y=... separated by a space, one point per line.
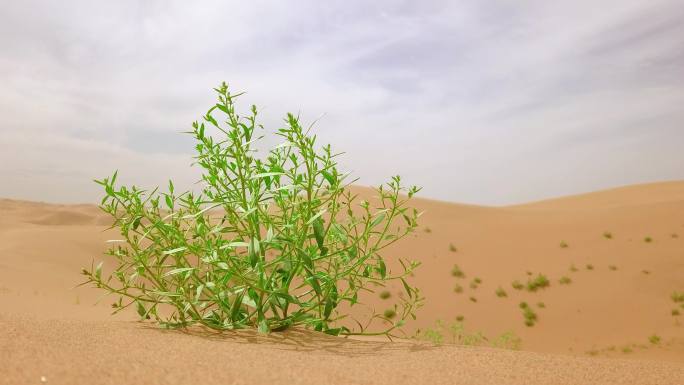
x=489 y=102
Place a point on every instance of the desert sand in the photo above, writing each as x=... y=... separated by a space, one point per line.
x=594 y=330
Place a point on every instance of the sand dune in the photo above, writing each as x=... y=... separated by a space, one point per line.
x=594 y=330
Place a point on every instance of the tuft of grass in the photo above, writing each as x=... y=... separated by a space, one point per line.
x=389 y=313
x=472 y=299
x=500 y=292
x=477 y=280
x=273 y=239
x=654 y=339
x=528 y=314
x=590 y=266
x=475 y=283
x=565 y=280
x=675 y=312
x=648 y=239
x=573 y=268
x=517 y=285
x=458 y=289
x=452 y=248
x=564 y=245
x=541 y=305
x=626 y=349
x=457 y=272
x=385 y=294
x=612 y=267
x=456 y=333
x=608 y=235
x=460 y=318
x=540 y=282
x=677 y=296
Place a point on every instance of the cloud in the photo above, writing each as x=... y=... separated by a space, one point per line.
x=484 y=102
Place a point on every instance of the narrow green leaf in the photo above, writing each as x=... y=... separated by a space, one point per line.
x=178 y=270
x=174 y=251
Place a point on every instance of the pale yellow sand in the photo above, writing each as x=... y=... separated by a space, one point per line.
x=52 y=330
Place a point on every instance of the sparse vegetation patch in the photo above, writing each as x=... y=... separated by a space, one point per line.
x=500 y=292
x=539 y=282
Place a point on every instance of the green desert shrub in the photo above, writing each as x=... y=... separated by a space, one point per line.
x=677 y=296
x=500 y=292
x=528 y=314
x=457 y=272
x=539 y=282
x=517 y=285
x=270 y=242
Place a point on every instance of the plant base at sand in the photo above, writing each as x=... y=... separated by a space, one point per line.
x=270 y=242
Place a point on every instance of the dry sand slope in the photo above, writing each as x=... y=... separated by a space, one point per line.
x=53 y=330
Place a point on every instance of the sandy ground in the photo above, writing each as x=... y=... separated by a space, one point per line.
x=594 y=330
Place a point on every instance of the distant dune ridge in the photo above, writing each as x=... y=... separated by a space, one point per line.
x=618 y=252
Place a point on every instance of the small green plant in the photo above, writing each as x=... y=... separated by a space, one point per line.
x=590 y=266
x=608 y=235
x=458 y=289
x=528 y=314
x=456 y=333
x=648 y=239
x=501 y=293
x=541 y=305
x=675 y=312
x=477 y=280
x=517 y=285
x=389 y=313
x=564 y=245
x=385 y=294
x=452 y=248
x=626 y=349
x=573 y=268
x=472 y=299
x=654 y=339
x=565 y=280
x=677 y=296
x=612 y=267
x=457 y=272
x=270 y=242
x=507 y=340
x=539 y=282
x=460 y=318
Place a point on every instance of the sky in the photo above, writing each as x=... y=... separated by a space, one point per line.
x=483 y=102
